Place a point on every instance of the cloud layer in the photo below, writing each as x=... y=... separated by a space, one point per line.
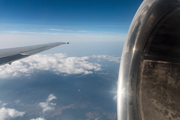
x=58 y=63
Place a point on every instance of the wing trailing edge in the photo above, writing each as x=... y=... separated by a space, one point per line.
x=12 y=54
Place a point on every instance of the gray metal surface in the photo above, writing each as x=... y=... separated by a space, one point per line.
x=153 y=35
x=12 y=54
x=158 y=90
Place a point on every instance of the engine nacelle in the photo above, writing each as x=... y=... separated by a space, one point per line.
x=149 y=76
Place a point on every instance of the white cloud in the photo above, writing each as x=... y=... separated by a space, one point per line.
x=51 y=97
x=60 y=30
x=82 y=31
x=17 y=101
x=56 y=29
x=48 y=105
x=109 y=58
x=58 y=63
x=38 y=118
x=7 y=113
x=4 y=104
x=97 y=118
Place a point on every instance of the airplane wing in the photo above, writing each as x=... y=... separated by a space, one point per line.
x=13 y=54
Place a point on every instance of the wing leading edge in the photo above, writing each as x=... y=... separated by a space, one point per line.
x=13 y=54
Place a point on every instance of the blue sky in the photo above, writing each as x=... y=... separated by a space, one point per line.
x=28 y=22
x=73 y=12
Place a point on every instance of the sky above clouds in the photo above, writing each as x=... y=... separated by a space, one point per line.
x=69 y=12
x=62 y=20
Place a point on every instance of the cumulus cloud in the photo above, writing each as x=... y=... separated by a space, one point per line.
x=57 y=63
x=8 y=113
x=38 y=118
x=48 y=105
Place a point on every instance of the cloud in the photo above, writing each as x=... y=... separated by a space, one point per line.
x=58 y=63
x=97 y=118
x=63 y=35
x=56 y=32
x=4 y=104
x=26 y=40
x=82 y=31
x=60 y=30
x=38 y=118
x=51 y=97
x=109 y=58
x=68 y=30
x=56 y=29
x=48 y=105
x=7 y=113
x=17 y=101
